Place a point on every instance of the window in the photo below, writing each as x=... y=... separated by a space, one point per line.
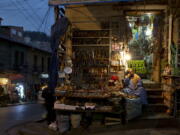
x=16 y=58
x=20 y=34
x=22 y=58
x=42 y=64
x=48 y=64
x=13 y=31
x=35 y=62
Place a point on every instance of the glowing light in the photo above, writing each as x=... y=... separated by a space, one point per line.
x=127 y=57
x=148 y=32
x=149 y=14
x=130 y=25
x=4 y=81
x=43 y=87
x=44 y=75
x=20 y=89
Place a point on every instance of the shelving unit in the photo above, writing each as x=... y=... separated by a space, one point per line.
x=117 y=44
x=91 y=55
x=97 y=52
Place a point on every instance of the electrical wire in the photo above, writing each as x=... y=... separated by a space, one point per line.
x=32 y=9
x=23 y=14
x=26 y=9
x=29 y=14
x=7 y=7
x=47 y=18
x=18 y=9
x=47 y=12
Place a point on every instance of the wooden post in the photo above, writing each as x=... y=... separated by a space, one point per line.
x=170 y=39
x=56 y=13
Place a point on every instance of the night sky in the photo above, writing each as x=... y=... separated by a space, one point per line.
x=33 y=15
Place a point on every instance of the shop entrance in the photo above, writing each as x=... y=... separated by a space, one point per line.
x=141 y=44
x=145 y=45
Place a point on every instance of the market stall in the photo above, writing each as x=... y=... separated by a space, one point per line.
x=92 y=59
x=108 y=105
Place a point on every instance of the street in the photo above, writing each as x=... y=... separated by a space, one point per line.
x=15 y=115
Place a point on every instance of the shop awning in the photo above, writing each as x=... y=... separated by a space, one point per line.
x=93 y=16
x=14 y=77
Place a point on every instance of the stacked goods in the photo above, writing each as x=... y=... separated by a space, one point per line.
x=84 y=94
x=64 y=88
x=133 y=108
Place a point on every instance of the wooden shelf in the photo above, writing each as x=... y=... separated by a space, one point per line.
x=91 y=37
x=90 y=45
x=84 y=97
x=97 y=41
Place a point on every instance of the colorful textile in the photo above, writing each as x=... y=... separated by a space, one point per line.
x=134 y=86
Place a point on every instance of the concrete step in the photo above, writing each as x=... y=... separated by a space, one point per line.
x=155 y=116
x=154 y=108
x=154 y=89
x=154 y=92
x=152 y=85
x=155 y=99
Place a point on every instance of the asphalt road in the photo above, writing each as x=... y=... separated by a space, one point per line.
x=16 y=115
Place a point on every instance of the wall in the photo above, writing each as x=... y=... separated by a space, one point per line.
x=8 y=61
x=5 y=55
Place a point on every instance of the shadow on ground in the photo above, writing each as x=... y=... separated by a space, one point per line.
x=135 y=127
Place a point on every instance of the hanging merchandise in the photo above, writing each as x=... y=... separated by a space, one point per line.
x=68 y=70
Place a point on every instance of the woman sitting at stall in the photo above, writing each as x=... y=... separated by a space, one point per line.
x=133 y=85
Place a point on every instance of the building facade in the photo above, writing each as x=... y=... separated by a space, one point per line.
x=22 y=64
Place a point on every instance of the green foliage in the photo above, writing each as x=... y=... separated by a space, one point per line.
x=142 y=44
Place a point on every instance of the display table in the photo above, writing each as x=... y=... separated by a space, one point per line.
x=104 y=105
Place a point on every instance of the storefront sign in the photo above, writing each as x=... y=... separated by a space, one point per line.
x=44 y=76
x=71 y=2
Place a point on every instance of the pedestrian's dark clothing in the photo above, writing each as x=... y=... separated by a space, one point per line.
x=1 y=90
x=49 y=104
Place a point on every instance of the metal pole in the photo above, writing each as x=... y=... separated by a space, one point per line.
x=53 y=66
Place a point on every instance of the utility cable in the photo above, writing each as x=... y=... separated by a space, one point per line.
x=32 y=9
x=23 y=14
x=13 y=9
x=44 y=19
x=47 y=18
x=28 y=13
